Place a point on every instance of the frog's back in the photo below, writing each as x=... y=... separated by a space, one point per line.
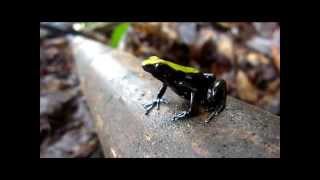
x=177 y=67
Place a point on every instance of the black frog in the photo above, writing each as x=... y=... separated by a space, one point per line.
x=197 y=87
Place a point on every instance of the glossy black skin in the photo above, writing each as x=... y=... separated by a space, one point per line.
x=199 y=88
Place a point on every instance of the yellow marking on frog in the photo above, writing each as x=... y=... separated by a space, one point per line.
x=155 y=60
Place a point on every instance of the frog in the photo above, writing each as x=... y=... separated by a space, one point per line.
x=199 y=88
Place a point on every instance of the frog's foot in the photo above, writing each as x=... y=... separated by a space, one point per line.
x=181 y=115
x=156 y=102
x=215 y=113
x=211 y=115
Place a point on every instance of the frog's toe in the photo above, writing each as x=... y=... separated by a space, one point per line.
x=164 y=101
x=156 y=102
x=149 y=107
x=211 y=116
x=181 y=115
x=159 y=101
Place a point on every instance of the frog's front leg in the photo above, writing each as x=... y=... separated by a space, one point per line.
x=156 y=102
x=191 y=110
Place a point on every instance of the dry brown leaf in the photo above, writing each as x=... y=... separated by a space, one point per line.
x=205 y=35
x=169 y=29
x=255 y=59
x=274 y=86
x=246 y=90
x=276 y=57
x=225 y=47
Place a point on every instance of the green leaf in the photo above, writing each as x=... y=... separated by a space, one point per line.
x=118 y=34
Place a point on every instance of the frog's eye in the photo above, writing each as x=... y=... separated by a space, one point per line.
x=157 y=65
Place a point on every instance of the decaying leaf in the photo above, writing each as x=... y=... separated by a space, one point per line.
x=245 y=88
x=276 y=57
x=225 y=47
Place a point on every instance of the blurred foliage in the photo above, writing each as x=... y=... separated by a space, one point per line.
x=66 y=128
x=118 y=34
x=245 y=54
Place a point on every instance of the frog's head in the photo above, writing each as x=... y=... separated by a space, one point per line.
x=163 y=69
x=152 y=64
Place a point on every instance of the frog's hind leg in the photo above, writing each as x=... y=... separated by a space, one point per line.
x=191 y=111
x=218 y=99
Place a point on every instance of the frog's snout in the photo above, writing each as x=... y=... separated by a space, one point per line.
x=148 y=68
